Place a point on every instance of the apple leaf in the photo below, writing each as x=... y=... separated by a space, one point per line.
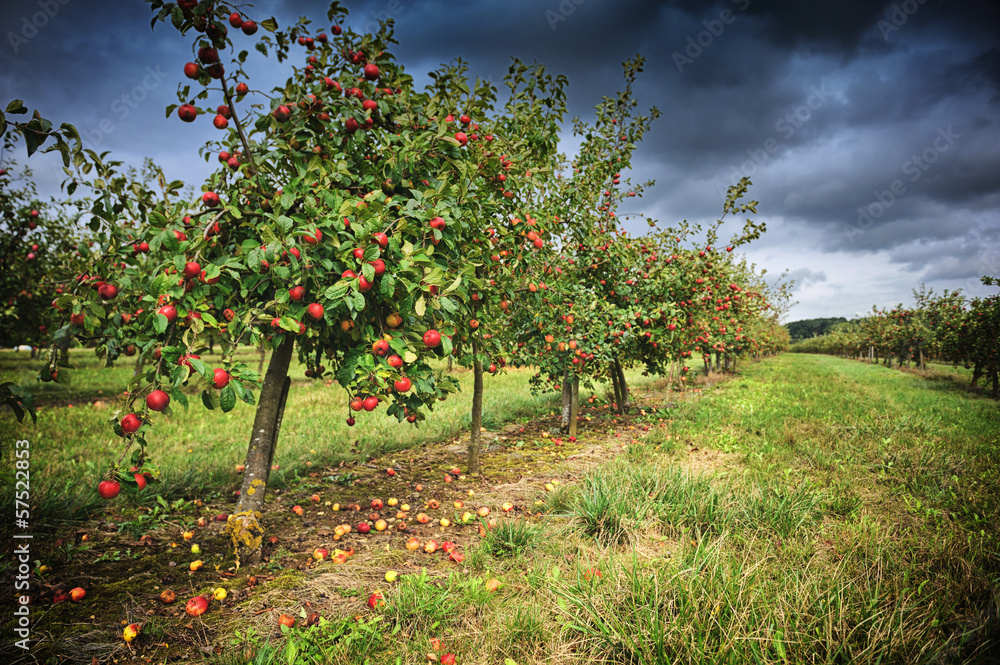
x=247 y=395
x=160 y=323
x=368 y=271
x=206 y=399
x=199 y=366
x=227 y=399
x=337 y=291
x=178 y=396
x=420 y=306
x=16 y=107
x=446 y=345
x=269 y=24
x=358 y=301
x=388 y=286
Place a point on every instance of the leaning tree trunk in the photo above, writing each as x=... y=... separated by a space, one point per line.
x=244 y=527
x=476 y=435
x=574 y=404
x=623 y=387
x=567 y=397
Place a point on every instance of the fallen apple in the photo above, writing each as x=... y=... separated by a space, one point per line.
x=196 y=606
x=376 y=600
x=131 y=632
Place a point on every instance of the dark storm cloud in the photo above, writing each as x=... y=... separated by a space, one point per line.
x=836 y=110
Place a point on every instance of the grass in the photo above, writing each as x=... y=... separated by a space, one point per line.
x=808 y=510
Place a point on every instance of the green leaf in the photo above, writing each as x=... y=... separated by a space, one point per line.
x=269 y=24
x=160 y=323
x=358 y=300
x=178 y=396
x=16 y=107
x=177 y=17
x=388 y=286
x=420 y=307
x=198 y=366
x=227 y=399
x=206 y=399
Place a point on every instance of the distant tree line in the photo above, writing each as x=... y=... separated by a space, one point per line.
x=807 y=328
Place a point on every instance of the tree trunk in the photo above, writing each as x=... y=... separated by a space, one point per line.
x=567 y=395
x=670 y=376
x=574 y=407
x=705 y=361
x=615 y=387
x=623 y=387
x=449 y=363
x=476 y=435
x=138 y=366
x=260 y=362
x=245 y=529
x=923 y=365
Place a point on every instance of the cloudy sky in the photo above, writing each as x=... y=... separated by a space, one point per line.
x=870 y=129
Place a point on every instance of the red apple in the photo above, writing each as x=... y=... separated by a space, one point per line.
x=168 y=311
x=395 y=361
x=432 y=338
x=402 y=385
x=196 y=606
x=376 y=600
x=187 y=112
x=220 y=378
x=211 y=199
x=107 y=291
x=109 y=489
x=315 y=310
x=296 y=293
x=157 y=400
x=371 y=72
x=130 y=423
x=371 y=403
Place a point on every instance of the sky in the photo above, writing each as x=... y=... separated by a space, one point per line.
x=870 y=129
